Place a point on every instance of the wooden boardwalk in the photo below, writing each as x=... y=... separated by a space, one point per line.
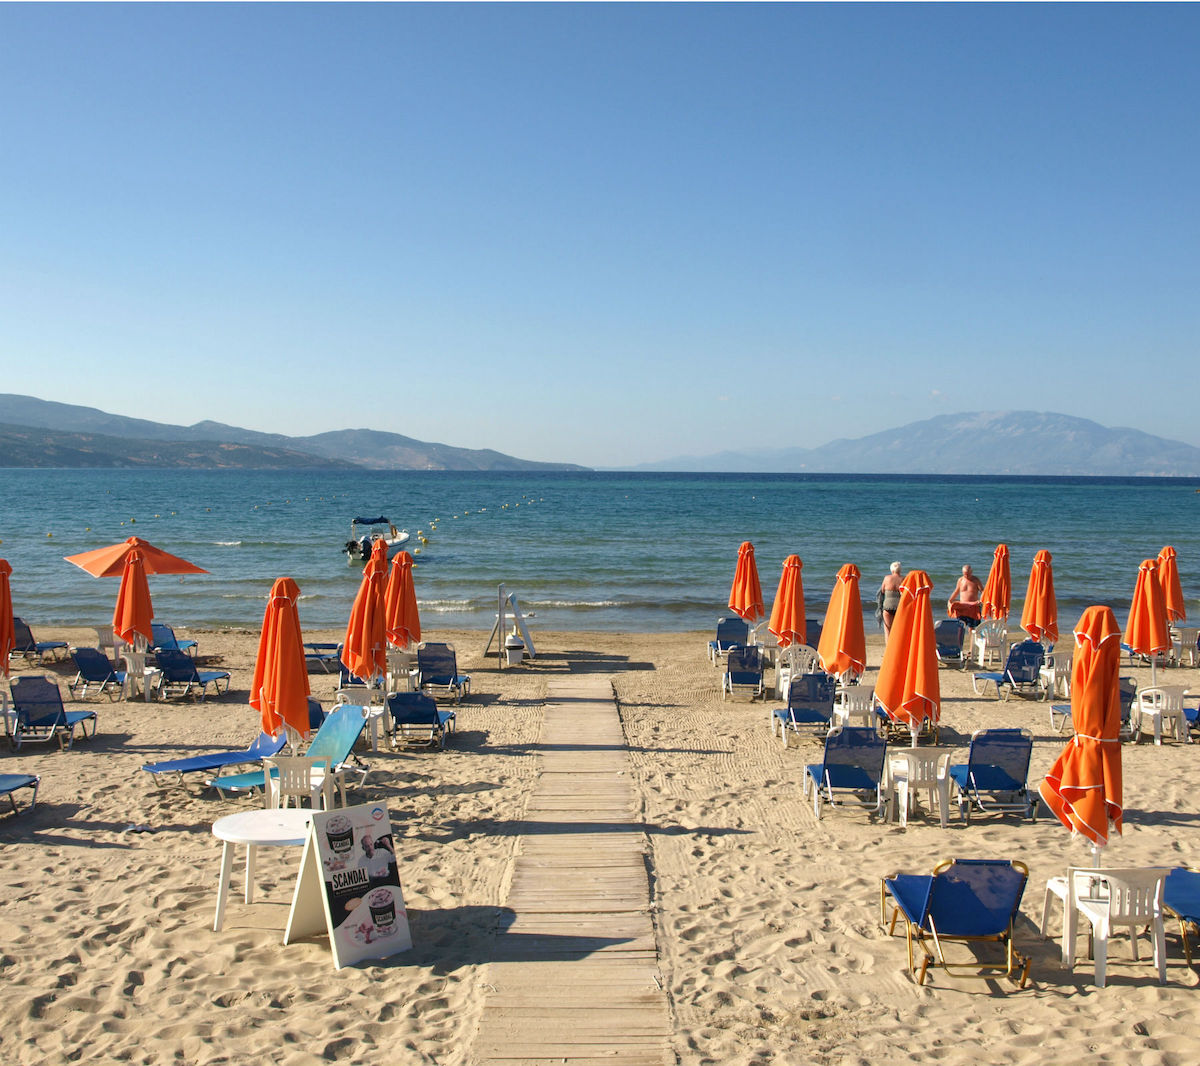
x=574 y=977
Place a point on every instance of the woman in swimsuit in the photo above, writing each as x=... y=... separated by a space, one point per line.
x=889 y=599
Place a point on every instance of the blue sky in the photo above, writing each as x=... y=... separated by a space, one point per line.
x=602 y=234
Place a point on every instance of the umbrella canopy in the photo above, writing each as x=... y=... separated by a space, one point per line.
x=1039 y=616
x=132 y=560
x=908 y=686
x=7 y=635
x=403 y=622
x=1147 y=632
x=997 y=593
x=843 y=646
x=745 y=597
x=134 y=612
x=364 y=650
x=1083 y=787
x=280 y=688
x=787 y=615
x=1168 y=577
x=110 y=561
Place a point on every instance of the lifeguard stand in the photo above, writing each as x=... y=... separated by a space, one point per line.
x=518 y=644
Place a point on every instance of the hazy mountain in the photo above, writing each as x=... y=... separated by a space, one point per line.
x=37 y=432
x=987 y=442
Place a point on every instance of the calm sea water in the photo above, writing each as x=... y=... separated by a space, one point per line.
x=639 y=552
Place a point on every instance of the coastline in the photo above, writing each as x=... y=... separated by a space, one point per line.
x=766 y=919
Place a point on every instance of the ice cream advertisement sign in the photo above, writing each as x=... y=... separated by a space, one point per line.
x=349 y=886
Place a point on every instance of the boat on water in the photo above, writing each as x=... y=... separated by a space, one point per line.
x=365 y=531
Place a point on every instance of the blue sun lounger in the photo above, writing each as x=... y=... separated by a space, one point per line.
x=1021 y=673
x=994 y=777
x=264 y=746
x=809 y=706
x=1181 y=897
x=11 y=783
x=179 y=675
x=970 y=901
x=416 y=719
x=332 y=746
x=165 y=640
x=95 y=669
x=34 y=650
x=38 y=714
x=854 y=761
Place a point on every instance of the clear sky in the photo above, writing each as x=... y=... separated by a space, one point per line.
x=602 y=234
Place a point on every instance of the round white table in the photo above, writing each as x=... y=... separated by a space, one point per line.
x=257 y=828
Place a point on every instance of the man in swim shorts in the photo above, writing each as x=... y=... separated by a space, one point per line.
x=965 y=601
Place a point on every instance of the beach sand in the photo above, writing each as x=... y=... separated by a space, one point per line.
x=766 y=919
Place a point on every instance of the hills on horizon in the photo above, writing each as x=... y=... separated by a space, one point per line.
x=43 y=433
x=976 y=442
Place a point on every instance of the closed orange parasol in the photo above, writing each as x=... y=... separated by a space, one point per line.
x=134 y=612
x=745 y=597
x=403 y=622
x=1147 y=632
x=132 y=560
x=1083 y=787
x=8 y=636
x=1168 y=578
x=843 y=646
x=1039 y=616
x=365 y=648
x=280 y=690
x=908 y=686
x=997 y=593
x=787 y=614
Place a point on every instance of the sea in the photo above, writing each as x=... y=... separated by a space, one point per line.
x=639 y=552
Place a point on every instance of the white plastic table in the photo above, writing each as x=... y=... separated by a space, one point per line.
x=257 y=828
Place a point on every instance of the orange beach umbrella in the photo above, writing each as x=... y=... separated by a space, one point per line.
x=787 y=614
x=745 y=597
x=8 y=636
x=1147 y=632
x=1168 y=577
x=403 y=622
x=280 y=690
x=843 y=646
x=132 y=560
x=134 y=612
x=908 y=686
x=1083 y=787
x=365 y=647
x=1039 y=616
x=997 y=593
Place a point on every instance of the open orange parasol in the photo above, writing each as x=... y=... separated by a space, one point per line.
x=403 y=622
x=1168 y=578
x=280 y=690
x=365 y=648
x=997 y=592
x=8 y=636
x=843 y=646
x=132 y=560
x=1147 y=632
x=745 y=597
x=908 y=686
x=1039 y=616
x=1083 y=787
x=787 y=614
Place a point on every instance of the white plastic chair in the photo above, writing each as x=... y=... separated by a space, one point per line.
x=1056 y=674
x=854 y=705
x=1163 y=706
x=988 y=641
x=1183 y=642
x=793 y=660
x=298 y=777
x=1110 y=899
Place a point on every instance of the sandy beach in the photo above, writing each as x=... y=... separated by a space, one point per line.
x=766 y=920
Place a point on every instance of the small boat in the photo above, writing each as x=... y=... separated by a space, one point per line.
x=365 y=531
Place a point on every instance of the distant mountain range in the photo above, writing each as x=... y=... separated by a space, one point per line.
x=984 y=442
x=41 y=433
